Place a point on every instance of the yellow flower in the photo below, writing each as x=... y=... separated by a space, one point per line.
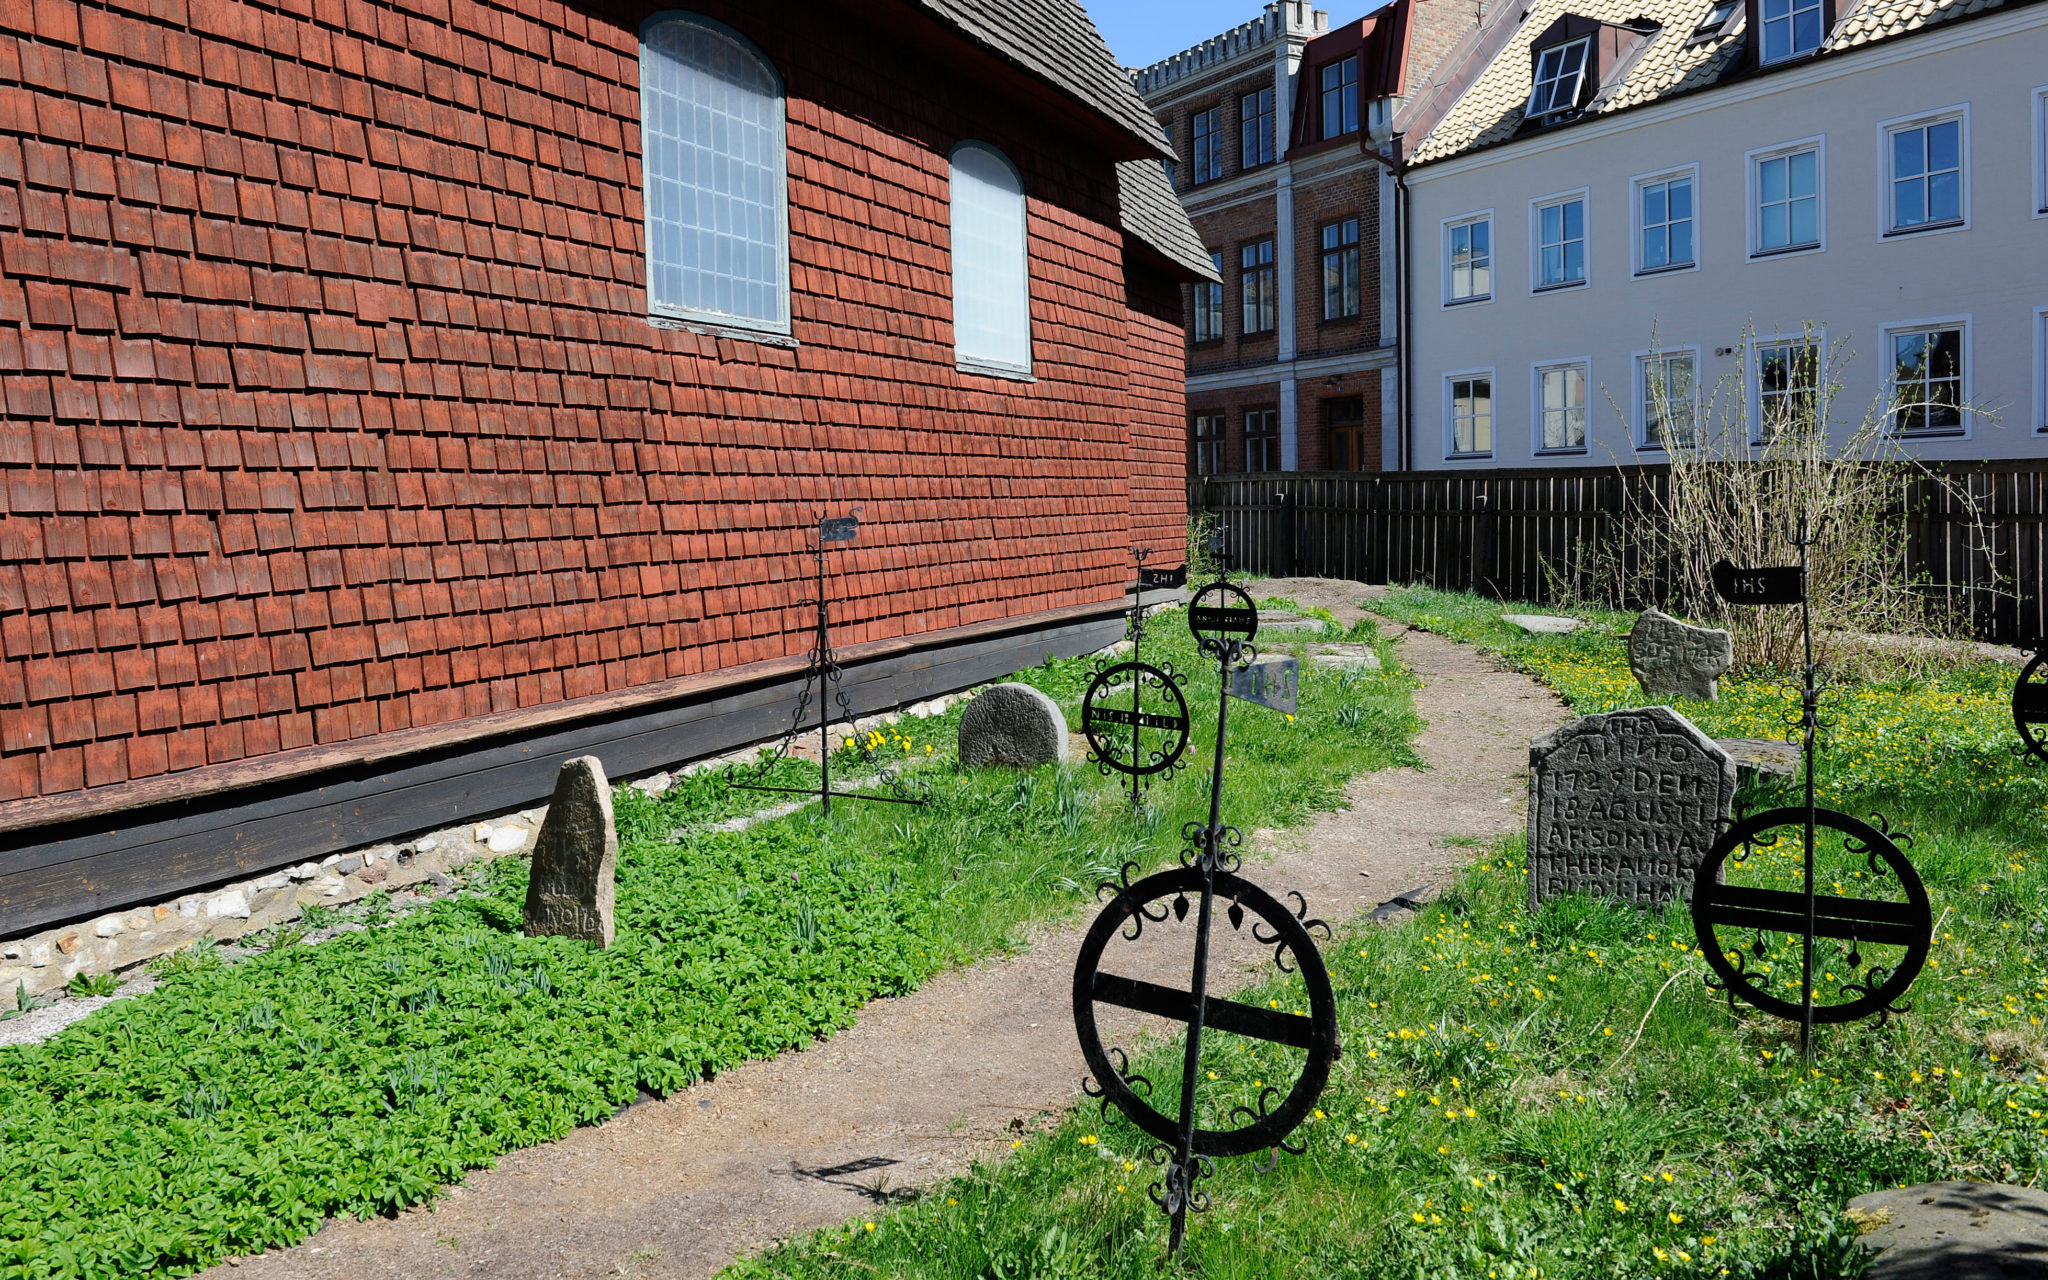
x=1088 y=1141
x=1675 y=1217
x=869 y=1225
x=1621 y=1206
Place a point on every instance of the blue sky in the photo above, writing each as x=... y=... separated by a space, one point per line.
x=1141 y=32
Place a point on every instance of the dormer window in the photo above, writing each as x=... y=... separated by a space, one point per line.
x=1560 y=71
x=1716 y=20
x=1792 y=28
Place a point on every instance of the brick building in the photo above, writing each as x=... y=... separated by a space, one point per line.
x=1287 y=131
x=401 y=397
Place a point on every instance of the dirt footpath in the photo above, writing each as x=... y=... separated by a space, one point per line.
x=922 y=1085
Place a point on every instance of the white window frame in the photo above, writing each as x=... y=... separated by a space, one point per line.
x=1584 y=364
x=1206 y=292
x=983 y=365
x=1752 y=211
x=1885 y=130
x=1754 y=375
x=1208 y=444
x=1690 y=173
x=1792 y=16
x=1492 y=257
x=2041 y=370
x=1639 y=423
x=671 y=314
x=1536 y=207
x=1886 y=388
x=1451 y=453
x=1269 y=440
x=1585 y=46
x=2040 y=156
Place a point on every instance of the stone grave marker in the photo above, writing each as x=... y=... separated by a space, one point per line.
x=1673 y=658
x=1541 y=624
x=1625 y=805
x=1954 y=1231
x=1012 y=724
x=570 y=891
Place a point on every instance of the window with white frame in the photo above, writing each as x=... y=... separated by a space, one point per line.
x=712 y=176
x=1340 y=97
x=1209 y=305
x=1340 y=269
x=1560 y=71
x=2041 y=370
x=991 y=262
x=1787 y=192
x=1208 y=145
x=1791 y=28
x=1664 y=218
x=2041 y=150
x=1561 y=408
x=1928 y=378
x=1667 y=399
x=1469 y=264
x=1468 y=414
x=1561 y=242
x=1924 y=162
x=1255 y=128
x=1208 y=444
x=1262 y=440
x=1259 y=285
x=1788 y=387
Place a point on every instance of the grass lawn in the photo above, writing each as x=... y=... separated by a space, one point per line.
x=237 y=1106
x=1557 y=1094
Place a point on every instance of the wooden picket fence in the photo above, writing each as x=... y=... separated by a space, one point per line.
x=1513 y=534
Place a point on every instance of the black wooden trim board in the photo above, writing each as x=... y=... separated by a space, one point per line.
x=86 y=866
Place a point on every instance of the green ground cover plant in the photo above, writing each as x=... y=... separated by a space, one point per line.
x=239 y=1104
x=1556 y=1094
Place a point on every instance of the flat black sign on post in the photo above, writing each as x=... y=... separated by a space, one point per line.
x=1186 y=1151
x=1860 y=922
x=822 y=674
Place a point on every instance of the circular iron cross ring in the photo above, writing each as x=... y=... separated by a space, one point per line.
x=1099 y=719
x=1220 y=610
x=1908 y=924
x=1316 y=1033
x=2030 y=706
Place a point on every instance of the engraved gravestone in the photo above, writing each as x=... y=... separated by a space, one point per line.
x=1625 y=805
x=570 y=891
x=1670 y=657
x=1015 y=725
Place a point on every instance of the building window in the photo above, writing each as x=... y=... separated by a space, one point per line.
x=712 y=177
x=2041 y=370
x=1787 y=186
x=1791 y=28
x=1927 y=382
x=1667 y=399
x=1255 y=128
x=1716 y=19
x=1560 y=71
x=2041 y=151
x=1561 y=242
x=1340 y=269
x=991 y=266
x=1469 y=262
x=1340 y=97
x=1208 y=145
x=1345 y=419
x=1561 y=408
x=1260 y=287
x=1926 y=173
x=1468 y=406
x=1172 y=168
x=1664 y=213
x=1208 y=459
x=1262 y=440
x=1788 y=387
x=1209 y=305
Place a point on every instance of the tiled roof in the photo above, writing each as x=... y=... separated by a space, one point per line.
x=1490 y=111
x=1056 y=41
x=1152 y=213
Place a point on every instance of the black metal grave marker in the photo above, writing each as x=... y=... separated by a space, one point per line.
x=1116 y=737
x=822 y=674
x=2030 y=708
x=1208 y=871
x=1860 y=922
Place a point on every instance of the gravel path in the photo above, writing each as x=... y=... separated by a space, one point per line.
x=922 y=1085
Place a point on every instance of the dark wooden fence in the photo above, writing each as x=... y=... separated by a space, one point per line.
x=1975 y=537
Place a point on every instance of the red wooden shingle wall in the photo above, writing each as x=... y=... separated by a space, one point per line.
x=331 y=407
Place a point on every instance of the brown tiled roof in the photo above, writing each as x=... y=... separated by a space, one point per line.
x=1490 y=112
x=1152 y=214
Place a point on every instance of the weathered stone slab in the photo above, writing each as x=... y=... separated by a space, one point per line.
x=1542 y=623
x=1015 y=725
x=1341 y=655
x=1955 y=1231
x=1625 y=805
x=1755 y=757
x=570 y=891
x=1676 y=659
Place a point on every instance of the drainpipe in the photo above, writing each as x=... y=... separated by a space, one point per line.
x=1404 y=300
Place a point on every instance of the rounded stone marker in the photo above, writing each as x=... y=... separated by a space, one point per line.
x=1676 y=659
x=1955 y=1231
x=570 y=893
x=1012 y=724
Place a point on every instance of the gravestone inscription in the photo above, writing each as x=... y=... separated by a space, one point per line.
x=1625 y=805
x=570 y=891
x=1673 y=658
